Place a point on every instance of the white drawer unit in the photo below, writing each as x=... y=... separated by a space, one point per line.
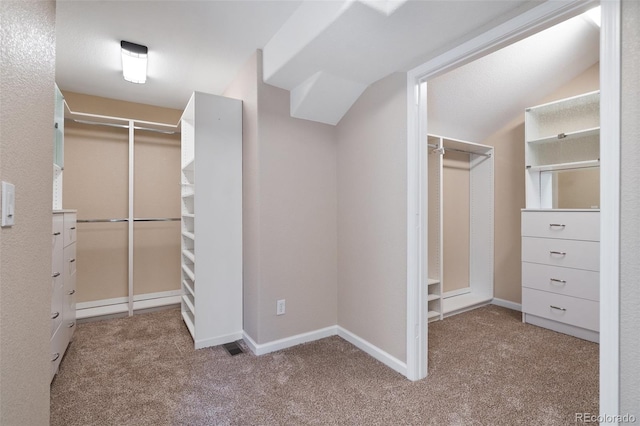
x=560 y=264
x=63 y=273
x=574 y=311
x=567 y=281
x=565 y=253
x=568 y=225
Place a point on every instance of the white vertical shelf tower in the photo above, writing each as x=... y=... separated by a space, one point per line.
x=211 y=195
x=481 y=226
x=561 y=246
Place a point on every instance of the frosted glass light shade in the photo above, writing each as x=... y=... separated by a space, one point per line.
x=134 y=62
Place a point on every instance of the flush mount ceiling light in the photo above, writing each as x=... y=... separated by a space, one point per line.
x=134 y=62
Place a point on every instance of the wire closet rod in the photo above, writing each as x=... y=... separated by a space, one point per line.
x=135 y=219
x=460 y=150
x=123 y=126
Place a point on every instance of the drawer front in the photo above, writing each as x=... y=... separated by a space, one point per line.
x=70 y=231
x=565 y=253
x=559 y=224
x=567 y=281
x=557 y=307
x=58 y=345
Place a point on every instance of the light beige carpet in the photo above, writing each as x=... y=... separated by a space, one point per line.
x=485 y=368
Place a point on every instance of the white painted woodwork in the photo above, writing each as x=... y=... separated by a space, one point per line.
x=63 y=272
x=481 y=199
x=569 y=225
x=556 y=279
x=559 y=252
x=211 y=222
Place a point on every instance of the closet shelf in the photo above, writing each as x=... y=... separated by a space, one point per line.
x=190 y=286
x=188 y=320
x=433 y=297
x=431 y=281
x=187 y=270
x=188 y=215
x=188 y=194
x=433 y=314
x=565 y=166
x=189 y=166
x=567 y=136
x=189 y=235
x=188 y=301
x=189 y=255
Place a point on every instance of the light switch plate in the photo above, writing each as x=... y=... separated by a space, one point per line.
x=8 y=204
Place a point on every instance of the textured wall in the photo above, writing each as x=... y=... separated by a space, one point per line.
x=629 y=216
x=26 y=153
x=372 y=216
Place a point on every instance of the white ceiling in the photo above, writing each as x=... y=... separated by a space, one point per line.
x=325 y=52
x=201 y=45
x=474 y=101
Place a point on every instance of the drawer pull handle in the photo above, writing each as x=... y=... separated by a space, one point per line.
x=55 y=356
x=55 y=315
x=555 y=280
x=55 y=234
x=56 y=275
x=556 y=225
x=72 y=228
x=72 y=292
x=71 y=324
x=72 y=260
x=559 y=253
x=558 y=308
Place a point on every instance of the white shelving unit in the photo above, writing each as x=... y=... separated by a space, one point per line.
x=211 y=129
x=560 y=135
x=480 y=290
x=560 y=246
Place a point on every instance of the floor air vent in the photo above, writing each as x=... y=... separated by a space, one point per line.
x=233 y=348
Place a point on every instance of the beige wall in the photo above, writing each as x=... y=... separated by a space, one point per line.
x=509 y=189
x=629 y=208
x=455 y=221
x=291 y=187
x=26 y=157
x=96 y=184
x=372 y=216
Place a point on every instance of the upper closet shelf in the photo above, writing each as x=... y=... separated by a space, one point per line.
x=565 y=137
x=565 y=166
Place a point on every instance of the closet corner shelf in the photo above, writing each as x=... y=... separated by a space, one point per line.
x=565 y=166
x=188 y=194
x=431 y=281
x=563 y=137
x=433 y=297
x=189 y=235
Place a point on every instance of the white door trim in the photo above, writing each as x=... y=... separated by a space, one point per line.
x=610 y=98
x=522 y=26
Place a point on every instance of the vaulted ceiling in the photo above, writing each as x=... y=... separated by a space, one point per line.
x=324 y=52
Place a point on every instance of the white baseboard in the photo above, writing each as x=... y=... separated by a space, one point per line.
x=382 y=356
x=377 y=353
x=219 y=340
x=109 y=307
x=507 y=304
x=287 y=342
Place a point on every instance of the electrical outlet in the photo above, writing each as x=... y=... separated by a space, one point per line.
x=280 y=308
